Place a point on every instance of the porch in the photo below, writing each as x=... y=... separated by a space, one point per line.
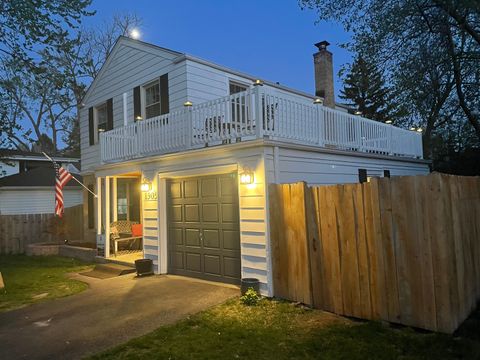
x=257 y=113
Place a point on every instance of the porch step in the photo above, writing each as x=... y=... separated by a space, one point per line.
x=109 y=270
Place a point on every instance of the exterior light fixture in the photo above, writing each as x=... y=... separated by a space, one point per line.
x=357 y=112
x=413 y=128
x=419 y=129
x=135 y=33
x=187 y=103
x=247 y=176
x=388 y=121
x=318 y=101
x=138 y=117
x=146 y=186
x=258 y=82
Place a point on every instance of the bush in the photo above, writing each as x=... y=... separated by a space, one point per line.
x=250 y=298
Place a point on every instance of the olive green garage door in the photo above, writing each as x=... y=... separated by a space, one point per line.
x=203 y=228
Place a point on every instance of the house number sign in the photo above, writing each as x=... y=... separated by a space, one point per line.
x=151 y=195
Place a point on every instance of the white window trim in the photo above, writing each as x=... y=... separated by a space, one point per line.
x=143 y=96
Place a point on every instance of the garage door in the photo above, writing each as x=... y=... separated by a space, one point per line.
x=203 y=227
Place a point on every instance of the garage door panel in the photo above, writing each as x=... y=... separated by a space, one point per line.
x=192 y=237
x=211 y=238
x=176 y=213
x=228 y=186
x=212 y=264
x=193 y=262
x=209 y=187
x=229 y=213
x=177 y=235
x=191 y=188
x=210 y=213
x=231 y=267
x=192 y=213
x=231 y=239
x=175 y=190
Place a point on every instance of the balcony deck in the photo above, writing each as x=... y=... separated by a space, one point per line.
x=257 y=113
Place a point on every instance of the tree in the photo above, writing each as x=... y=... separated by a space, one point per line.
x=392 y=31
x=365 y=90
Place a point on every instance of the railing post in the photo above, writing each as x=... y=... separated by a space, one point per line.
x=258 y=84
x=390 y=143
x=189 y=123
x=320 y=121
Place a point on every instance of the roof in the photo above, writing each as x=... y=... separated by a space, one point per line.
x=29 y=155
x=182 y=57
x=41 y=176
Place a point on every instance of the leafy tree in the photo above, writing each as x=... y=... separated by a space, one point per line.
x=365 y=90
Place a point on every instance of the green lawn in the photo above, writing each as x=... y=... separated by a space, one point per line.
x=280 y=330
x=30 y=279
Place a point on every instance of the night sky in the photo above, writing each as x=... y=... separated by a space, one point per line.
x=271 y=39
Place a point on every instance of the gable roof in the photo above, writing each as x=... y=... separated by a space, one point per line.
x=41 y=176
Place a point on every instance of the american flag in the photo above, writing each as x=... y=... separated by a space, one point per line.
x=62 y=177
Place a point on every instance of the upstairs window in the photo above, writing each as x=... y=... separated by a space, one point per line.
x=236 y=88
x=152 y=99
x=101 y=118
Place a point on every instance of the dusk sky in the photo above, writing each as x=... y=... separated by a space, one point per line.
x=271 y=39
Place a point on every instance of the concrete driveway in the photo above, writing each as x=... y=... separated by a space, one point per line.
x=111 y=312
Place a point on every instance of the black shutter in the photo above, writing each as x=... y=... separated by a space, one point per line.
x=91 y=124
x=386 y=173
x=137 y=107
x=362 y=175
x=164 y=101
x=109 y=114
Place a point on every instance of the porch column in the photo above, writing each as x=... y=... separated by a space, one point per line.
x=107 y=216
x=114 y=198
x=99 y=209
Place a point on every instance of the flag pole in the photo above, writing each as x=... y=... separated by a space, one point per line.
x=73 y=177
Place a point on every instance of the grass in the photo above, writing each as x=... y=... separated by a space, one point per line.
x=279 y=330
x=30 y=279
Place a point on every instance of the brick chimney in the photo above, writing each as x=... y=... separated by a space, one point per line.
x=324 y=74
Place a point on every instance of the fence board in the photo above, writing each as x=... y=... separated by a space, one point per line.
x=405 y=250
x=18 y=231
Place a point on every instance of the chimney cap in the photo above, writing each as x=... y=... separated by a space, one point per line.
x=322 y=45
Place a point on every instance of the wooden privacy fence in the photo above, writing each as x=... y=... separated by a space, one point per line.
x=18 y=231
x=404 y=250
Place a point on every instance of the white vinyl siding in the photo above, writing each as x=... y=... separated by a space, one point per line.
x=131 y=65
x=35 y=201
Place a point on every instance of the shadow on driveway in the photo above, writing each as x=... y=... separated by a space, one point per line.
x=111 y=312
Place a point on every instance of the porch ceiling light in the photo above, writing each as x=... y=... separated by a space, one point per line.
x=247 y=176
x=146 y=186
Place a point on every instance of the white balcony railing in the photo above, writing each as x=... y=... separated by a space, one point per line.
x=257 y=113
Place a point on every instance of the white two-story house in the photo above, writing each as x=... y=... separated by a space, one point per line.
x=187 y=148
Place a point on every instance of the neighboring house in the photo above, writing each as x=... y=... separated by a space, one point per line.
x=18 y=161
x=33 y=192
x=203 y=142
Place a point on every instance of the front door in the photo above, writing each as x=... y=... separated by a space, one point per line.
x=203 y=227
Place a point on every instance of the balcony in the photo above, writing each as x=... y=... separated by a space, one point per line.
x=257 y=113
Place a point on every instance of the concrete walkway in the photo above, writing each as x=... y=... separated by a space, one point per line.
x=111 y=312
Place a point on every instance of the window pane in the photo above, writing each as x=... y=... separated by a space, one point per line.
x=102 y=118
x=152 y=94
x=152 y=110
x=236 y=88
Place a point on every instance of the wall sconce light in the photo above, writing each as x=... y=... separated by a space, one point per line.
x=247 y=176
x=258 y=82
x=146 y=186
x=318 y=101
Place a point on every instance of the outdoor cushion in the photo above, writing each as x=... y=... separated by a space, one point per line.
x=137 y=229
